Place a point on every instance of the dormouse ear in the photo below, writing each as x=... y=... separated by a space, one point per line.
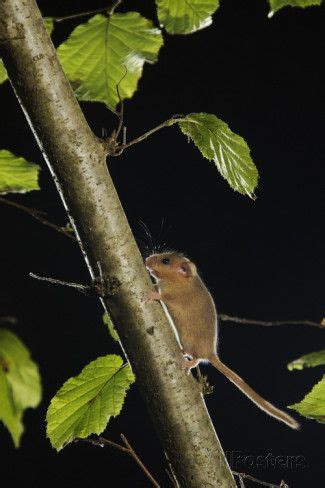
x=187 y=268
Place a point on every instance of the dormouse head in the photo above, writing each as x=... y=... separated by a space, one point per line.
x=170 y=266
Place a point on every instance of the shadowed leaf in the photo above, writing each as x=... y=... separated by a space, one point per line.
x=20 y=384
x=16 y=174
x=308 y=360
x=108 y=322
x=278 y=4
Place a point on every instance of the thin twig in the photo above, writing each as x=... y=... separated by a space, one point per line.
x=81 y=14
x=8 y=319
x=99 y=287
x=238 y=320
x=243 y=476
x=85 y=289
x=172 y=479
x=115 y=149
x=110 y=11
x=170 y=472
x=101 y=442
x=37 y=215
x=139 y=462
x=241 y=482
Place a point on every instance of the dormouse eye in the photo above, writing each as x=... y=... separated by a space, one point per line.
x=165 y=261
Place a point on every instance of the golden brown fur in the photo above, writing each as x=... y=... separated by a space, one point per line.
x=194 y=315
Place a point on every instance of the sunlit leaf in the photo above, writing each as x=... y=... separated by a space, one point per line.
x=313 y=405
x=20 y=385
x=228 y=150
x=308 y=360
x=108 y=322
x=85 y=403
x=48 y=21
x=185 y=16
x=109 y=51
x=16 y=174
x=278 y=4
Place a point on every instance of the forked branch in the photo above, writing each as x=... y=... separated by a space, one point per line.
x=126 y=449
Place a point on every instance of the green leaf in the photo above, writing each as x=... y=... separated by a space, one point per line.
x=185 y=16
x=16 y=174
x=228 y=150
x=8 y=414
x=3 y=72
x=85 y=403
x=49 y=24
x=109 y=51
x=313 y=405
x=108 y=321
x=308 y=360
x=20 y=385
x=278 y=4
x=48 y=21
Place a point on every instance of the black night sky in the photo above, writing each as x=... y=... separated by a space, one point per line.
x=260 y=259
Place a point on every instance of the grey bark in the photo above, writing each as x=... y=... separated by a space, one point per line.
x=77 y=161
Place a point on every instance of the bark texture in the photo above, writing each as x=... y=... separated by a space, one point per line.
x=76 y=159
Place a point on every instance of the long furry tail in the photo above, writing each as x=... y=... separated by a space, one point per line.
x=250 y=393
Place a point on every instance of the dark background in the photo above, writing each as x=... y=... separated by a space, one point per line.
x=261 y=259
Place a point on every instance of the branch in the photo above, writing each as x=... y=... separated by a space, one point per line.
x=113 y=148
x=243 y=476
x=37 y=215
x=265 y=323
x=138 y=461
x=110 y=11
x=102 y=441
x=8 y=319
x=85 y=289
x=77 y=161
x=100 y=286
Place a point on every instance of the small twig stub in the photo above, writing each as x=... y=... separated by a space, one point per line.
x=100 y=287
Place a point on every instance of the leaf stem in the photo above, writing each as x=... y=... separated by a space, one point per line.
x=37 y=215
x=265 y=323
x=144 y=136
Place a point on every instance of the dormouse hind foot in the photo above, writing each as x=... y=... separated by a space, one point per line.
x=188 y=364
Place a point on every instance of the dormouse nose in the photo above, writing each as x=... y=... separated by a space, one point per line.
x=148 y=262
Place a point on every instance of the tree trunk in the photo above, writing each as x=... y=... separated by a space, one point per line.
x=77 y=161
